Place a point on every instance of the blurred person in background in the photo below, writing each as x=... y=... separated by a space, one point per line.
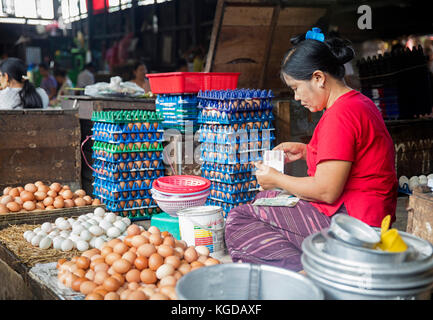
x=86 y=77
x=48 y=83
x=64 y=85
x=138 y=76
x=16 y=91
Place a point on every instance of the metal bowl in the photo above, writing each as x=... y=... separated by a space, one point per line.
x=344 y=250
x=353 y=231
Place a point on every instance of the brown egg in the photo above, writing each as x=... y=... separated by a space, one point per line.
x=69 y=203
x=48 y=201
x=112 y=296
x=100 y=277
x=121 y=266
x=96 y=202
x=14 y=192
x=173 y=260
x=43 y=188
x=94 y=296
x=125 y=294
x=83 y=262
x=155 y=239
x=181 y=244
x=137 y=295
x=6 y=199
x=3 y=209
x=40 y=206
x=6 y=190
x=128 y=240
x=101 y=267
x=65 y=187
x=52 y=194
x=77 y=283
x=120 y=248
x=119 y=278
x=211 y=262
x=170 y=241
x=168 y=281
x=190 y=255
x=106 y=250
x=158 y=296
x=94 y=260
x=88 y=200
x=56 y=187
x=184 y=268
x=111 y=284
x=196 y=264
x=13 y=207
x=67 y=194
x=139 y=240
x=39 y=183
x=133 y=230
x=155 y=261
x=29 y=205
x=49 y=208
x=113 y=242
x=27 y=196
x=133 y=275
x=146 y=250
x=177 y=275
x=90 y=253
x=60 y=262
x=19 y=201
x=87 y=287
x=141 y=263
x=148 y=276
x=100 y=290
x=165 y=250
x=58 y=203
x=40 y=196
x=90 y=275
x=30 y=187
x=169 y=291
x=79 y=202
x=80 y=193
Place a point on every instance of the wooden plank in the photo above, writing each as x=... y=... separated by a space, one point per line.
x=214 y=36
x=249 y=71
x=300 y=16
x=268 y=47
x=247 y=16
x=50 y=138
x=420 y=221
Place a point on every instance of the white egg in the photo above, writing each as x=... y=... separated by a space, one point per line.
x=57 y=242
x=36 y=240
x=113 y=232
x=122 y=237
x=45 y=243
x=119 y=218
x=110 y=217
x=42 y=234
x=67 y=245
x=92 y=222
x=86 y=225
x=423 y=180
x=403 y=180
x=59 y=220
x=37 y=230
x=99 y=212
x=85 y=235
x=64 y=225
x=30 y=236
x=74 y=237
x=54 y=233
x=430 y=176
x=89 y=216
x=82 y=245
x=77 y=228
x=414 y=178
x=413 y=184
x=65 y=233
x=46 y=227
x=104 y=224
x=120 y=225
x=71 y=221
x=96 y=230
x=126 y=221
x=99 y=243
x=92 y=242
x=27 y=234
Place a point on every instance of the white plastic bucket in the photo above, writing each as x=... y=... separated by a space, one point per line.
x=203 y=226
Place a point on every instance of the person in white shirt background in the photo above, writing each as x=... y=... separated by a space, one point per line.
x=17 y=92
x=86 y=77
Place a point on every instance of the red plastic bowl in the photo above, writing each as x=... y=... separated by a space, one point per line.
x=181 y=184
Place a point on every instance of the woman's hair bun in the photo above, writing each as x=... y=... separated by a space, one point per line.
x=341 y=49
x=297 y=39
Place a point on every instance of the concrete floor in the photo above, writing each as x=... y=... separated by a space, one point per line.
x=399 y=224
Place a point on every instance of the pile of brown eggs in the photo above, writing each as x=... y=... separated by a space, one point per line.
x=146 y=265
x=38 y=196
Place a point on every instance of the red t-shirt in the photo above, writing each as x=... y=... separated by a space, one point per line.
x=353 y=130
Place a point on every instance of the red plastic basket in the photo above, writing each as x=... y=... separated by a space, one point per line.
x=176 y=82
x=181 y=184
x=221 y=80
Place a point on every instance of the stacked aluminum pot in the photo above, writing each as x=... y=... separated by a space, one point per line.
x=346 y=271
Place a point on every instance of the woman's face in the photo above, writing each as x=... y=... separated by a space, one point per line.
x=3 y=80
x=308 y=92
x=140 y=72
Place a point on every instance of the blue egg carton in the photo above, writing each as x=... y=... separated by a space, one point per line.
x=219 y=135
x=134 y=214
x=122 y=167
x=233 y=188
x=222 y=117
x=229 y=178
x=233 y=198
x=119 y=186
x=231 y=158
x=115 y=206
x=128 y=175
x=117 y=138
x=124 y=195
x=132 y=127
x=228 y=168
x=227 y=207
x=155 y=159
x=237 y=147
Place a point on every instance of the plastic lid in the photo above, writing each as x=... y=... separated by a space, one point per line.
x=181 y=184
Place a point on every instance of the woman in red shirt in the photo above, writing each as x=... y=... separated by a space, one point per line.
x=350 y=161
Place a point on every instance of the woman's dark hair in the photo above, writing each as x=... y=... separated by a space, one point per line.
x=135 y=67
x=16 y=69
x=60 y=73
x=308 y=55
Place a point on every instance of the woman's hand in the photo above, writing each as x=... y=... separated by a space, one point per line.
x=293 y=151
x=267 y=177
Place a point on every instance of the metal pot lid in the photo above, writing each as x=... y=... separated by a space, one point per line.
x=314 y=247
x=367 y=279
x=199 y=211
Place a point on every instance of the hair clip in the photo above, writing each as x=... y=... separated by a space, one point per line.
x=315 y=34
x=25 y=77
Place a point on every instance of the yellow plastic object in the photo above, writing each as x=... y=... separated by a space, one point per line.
x=390 y=240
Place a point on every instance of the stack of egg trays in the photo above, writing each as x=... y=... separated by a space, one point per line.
x=227 y=207
x=236 y=127
x=178 y=111
x=127 y=153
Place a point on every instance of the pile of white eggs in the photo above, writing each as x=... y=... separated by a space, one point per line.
x=91 y=230
x=415 y=181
